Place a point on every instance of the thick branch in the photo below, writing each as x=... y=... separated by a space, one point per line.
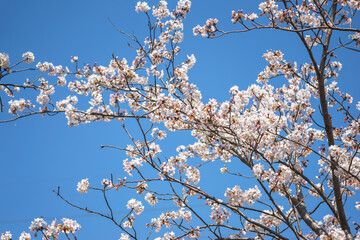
x=301 y=208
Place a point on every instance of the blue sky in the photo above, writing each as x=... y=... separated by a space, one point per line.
x=38 y=154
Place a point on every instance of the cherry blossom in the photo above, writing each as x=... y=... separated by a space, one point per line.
x=83 y=186
x=6 y=236
x=151 y=199
x=136 y=206
x=4 y=60
x=25 y=236
x=142 y=6
x=37 y=224
x=28 y=57
x=124 y=237
x=70 y=226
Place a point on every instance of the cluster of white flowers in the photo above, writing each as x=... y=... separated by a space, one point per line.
x=161 y=11
x=160 y=134
x=107 y=183
x=4 y=60
x=129 y=166
x=357 y=206
x=51 y=69
x=182 y=8
x=83 y=186
x=37 y=225
x=277 y=65
x=312 y=41
x=74 y=59
x=237 y=197
x=135 y=205
x=6 y=236
x=258 y=170
x=151 y=199
x=311 y=20
x=45 y=91
x=70 y=100
x=167 y=236
x=129 y=223
x=223 y=170
x=218 y=214
x=116 y=98
x=331 y=225
x=142 y=7
x=28 y=57
x=270 y=218
x=168 y=167
x=141 y=187
x=193 y=174
x=268 y=6
x=355 y=36
x=236 y=16
x=51 y=231
x=154 y=150
x=165 y=218
x=19 y=106
x=355 y=4
x=207 y=30
x=25 y=236
x=70 y=226
x=124 y=237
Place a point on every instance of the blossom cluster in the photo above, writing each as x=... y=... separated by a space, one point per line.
x=142 y=6
x=51 y=231
x=168 y=218
x=218 y=214
x=135 y=205
x=83 y=186
x=236 y=197
x=208 y=30
x=4 y=60
x=151 y=199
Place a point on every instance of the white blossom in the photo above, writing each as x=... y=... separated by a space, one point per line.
x=151 y=199
x=4 y=60
x=142 y=6
x=28 y=57
x=25 y=236
x=83 y=186
x=70 y=226
x=135 y=205
x=124 y=237
x=6 y=236
x=37 y=224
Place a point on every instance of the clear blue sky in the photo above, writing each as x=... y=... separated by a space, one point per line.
x=38 y=154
